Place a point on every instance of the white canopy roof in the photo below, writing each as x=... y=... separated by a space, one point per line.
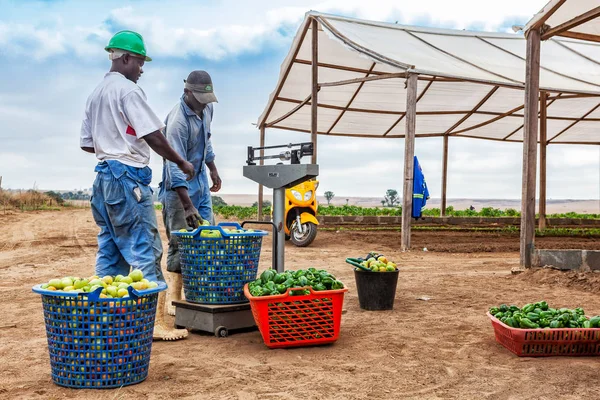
x=470 y=83
x=570 y=18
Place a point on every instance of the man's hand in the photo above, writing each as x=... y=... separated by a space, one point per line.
x=187 y=168
x=192 y=217
x=216 y=180
x=157 y=142
x=214 y=176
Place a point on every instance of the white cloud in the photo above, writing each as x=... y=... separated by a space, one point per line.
x=169 y=35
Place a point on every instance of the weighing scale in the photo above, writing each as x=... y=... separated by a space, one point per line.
x=219 y=319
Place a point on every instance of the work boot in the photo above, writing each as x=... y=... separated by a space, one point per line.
x=174 y=288
x=161 y=330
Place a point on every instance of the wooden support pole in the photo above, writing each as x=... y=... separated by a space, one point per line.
x=532 y=88
x=543 y=144
x=315 y=88
x=409 y=154
x=262 y=162
x=444 y=176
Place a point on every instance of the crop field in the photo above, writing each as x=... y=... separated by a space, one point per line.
x=437 y=343
x=242 y=212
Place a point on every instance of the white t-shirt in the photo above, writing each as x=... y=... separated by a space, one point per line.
x=116 y=119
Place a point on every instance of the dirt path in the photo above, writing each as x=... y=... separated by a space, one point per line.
x=437 y=349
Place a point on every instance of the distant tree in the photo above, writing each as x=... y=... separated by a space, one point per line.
x=391 y=197
x=329 y=195
x=383 y=203
x=218 y=201
x=266 y=203
x=56 y=197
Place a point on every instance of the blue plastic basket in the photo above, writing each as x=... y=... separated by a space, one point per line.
x=215 y=270
x=99 y=342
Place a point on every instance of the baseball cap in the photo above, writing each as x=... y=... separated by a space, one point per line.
x=200 y=84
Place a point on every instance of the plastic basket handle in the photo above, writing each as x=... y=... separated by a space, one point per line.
x=354 y=262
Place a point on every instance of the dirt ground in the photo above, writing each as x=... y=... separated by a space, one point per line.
x=437 y=349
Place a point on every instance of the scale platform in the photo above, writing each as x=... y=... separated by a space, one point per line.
x=214 y=318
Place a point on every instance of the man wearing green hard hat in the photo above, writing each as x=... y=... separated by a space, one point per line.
x=120 y=128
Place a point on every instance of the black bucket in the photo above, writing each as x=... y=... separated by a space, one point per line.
x=376 y=290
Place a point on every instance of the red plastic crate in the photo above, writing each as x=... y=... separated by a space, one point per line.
x=295 y=321
x=547 y=342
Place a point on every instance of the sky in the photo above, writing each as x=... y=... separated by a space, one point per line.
x=52 y=56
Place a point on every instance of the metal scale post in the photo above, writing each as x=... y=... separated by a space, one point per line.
x=279 y=177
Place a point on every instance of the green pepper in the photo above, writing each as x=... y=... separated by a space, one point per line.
x=563 y=310
x=579 y=311
x=280 y=278
x=595 y=321
x=546 y=314
x=543 y=305
x=552 y=310
x=267 y=276
x=581 y=319
x=319 y=286
x=299 y=273
x=514 y=308
x=303 y=280
x=328 y=282
x=528 y=308
x=566 y=317
x=537 y=310
x=312 y=270
x=289 y=283
x=511 y=322
x=499 y=315
x=281 y=288
x=517 y=317
x=494 y=310
x=270 y=286
x=528 y=324
x=257 y=291
x=555 y=324
x=543 y=322
x=586 y=324
x=573 y=324
x=337 y=285
x=503 y=307
x=533 y=316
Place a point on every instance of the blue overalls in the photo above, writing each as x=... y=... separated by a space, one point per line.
x=189 y=135
x=122 y=207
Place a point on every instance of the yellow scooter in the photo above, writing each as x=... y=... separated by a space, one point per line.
x=301 y=213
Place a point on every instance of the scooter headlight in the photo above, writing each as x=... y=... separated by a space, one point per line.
x=308 y=195
x=297 y=195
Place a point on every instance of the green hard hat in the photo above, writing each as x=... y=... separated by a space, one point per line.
x=129 y=41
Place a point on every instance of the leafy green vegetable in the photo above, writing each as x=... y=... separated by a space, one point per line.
x=541 y=315
x=272 y=283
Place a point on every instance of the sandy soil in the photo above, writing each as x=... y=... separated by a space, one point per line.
x=441 y=348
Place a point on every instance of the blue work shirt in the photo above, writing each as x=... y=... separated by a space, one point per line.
x=189 y=135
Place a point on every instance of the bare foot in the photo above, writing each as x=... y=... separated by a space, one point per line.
x=163 y=333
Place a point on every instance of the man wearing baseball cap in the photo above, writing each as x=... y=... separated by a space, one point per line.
x=187 y=203
x=120 y=128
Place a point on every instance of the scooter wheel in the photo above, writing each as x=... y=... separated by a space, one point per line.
x=306 y=237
